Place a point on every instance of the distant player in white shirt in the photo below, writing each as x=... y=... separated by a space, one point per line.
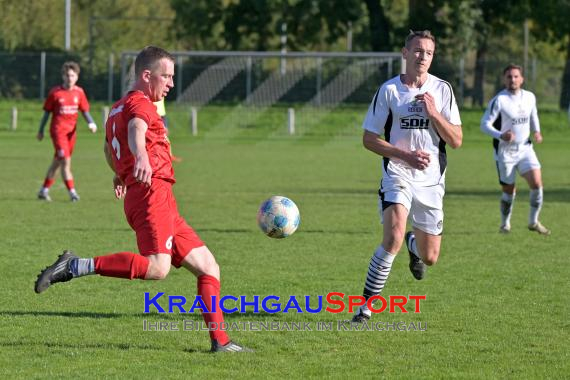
x=510 y=118
x=411 y=120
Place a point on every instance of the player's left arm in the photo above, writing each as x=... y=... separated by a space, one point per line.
x=535 y=125
x=84 y=108
x=450 y=133
x=90 y=123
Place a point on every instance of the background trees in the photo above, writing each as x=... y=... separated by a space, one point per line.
x=480 y=31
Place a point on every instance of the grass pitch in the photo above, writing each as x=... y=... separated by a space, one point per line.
x=496 y=306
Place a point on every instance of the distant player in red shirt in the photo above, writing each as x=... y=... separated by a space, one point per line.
x=137 y=150
x=64 y=102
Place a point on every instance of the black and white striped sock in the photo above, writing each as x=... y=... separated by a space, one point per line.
x=82 y=267
x=378 y=271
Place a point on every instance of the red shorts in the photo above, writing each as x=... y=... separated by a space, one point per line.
x=63 y=142
x=153 y=215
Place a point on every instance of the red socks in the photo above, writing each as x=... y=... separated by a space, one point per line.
x=69 y=184
x=48 y=182
x=130 y=265
x=208 y=286
x=123 y=264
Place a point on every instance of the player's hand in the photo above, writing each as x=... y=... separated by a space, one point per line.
x=120 y=188
x=429 y=103
x=508 y=136
x=538 y=137
x=142 y=170
x=92 y=127
x=40 y=136
x=418 y=159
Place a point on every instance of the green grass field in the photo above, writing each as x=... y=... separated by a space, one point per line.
x=496 y=306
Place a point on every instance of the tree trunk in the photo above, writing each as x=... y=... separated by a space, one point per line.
x=379 y=26
x=565 y=93
x=421 y=15
x=479 y=82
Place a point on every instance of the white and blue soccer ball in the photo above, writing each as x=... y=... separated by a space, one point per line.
x=278 y=217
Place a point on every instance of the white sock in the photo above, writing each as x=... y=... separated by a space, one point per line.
x=364 y=310
x=82 y=267
x=507 y=201
x=535 y=205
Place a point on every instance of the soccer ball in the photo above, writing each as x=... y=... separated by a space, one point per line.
x=278 y=217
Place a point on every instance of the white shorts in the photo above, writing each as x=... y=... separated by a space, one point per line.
x=424 y=204
x=515 y=157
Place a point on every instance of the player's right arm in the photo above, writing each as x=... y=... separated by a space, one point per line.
x=489 y=117
x=374 y=126
x=43 y=123
x=118 y=185
x=142 y=170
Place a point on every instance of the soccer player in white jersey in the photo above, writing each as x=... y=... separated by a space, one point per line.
x=509 y=119
x=411 y=120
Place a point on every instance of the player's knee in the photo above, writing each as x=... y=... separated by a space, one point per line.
x=158 y=271
x=393 y=242
x=431 y=257
x=201 y=261
x=210 y=267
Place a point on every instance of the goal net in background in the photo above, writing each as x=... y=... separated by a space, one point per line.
x=282 y=93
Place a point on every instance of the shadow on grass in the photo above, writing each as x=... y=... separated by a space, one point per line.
x=336 y=232
x=115 y=346
x=332 y=191
x=552 y=195
x=314 y=231
x=226 y=230
x=176 y=316
x=68 y=314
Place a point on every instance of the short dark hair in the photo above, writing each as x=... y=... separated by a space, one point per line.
x=70 y=65
x=420 y=34
x=512 y=66
x=148 y=57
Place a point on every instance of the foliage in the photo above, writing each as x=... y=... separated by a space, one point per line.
x=258 y=25
x=552 y=21
x=31 y=25
x=464 y=28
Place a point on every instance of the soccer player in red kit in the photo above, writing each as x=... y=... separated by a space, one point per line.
x=137 y=150
x=64 y=102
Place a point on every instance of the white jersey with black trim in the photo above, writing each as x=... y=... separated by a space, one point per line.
x=511 y=112
x=395 y=114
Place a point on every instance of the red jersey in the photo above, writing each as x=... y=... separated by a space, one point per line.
x=64 y=104
x=136 y=104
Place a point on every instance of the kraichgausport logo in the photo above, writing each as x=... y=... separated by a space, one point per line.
x=334 y=302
